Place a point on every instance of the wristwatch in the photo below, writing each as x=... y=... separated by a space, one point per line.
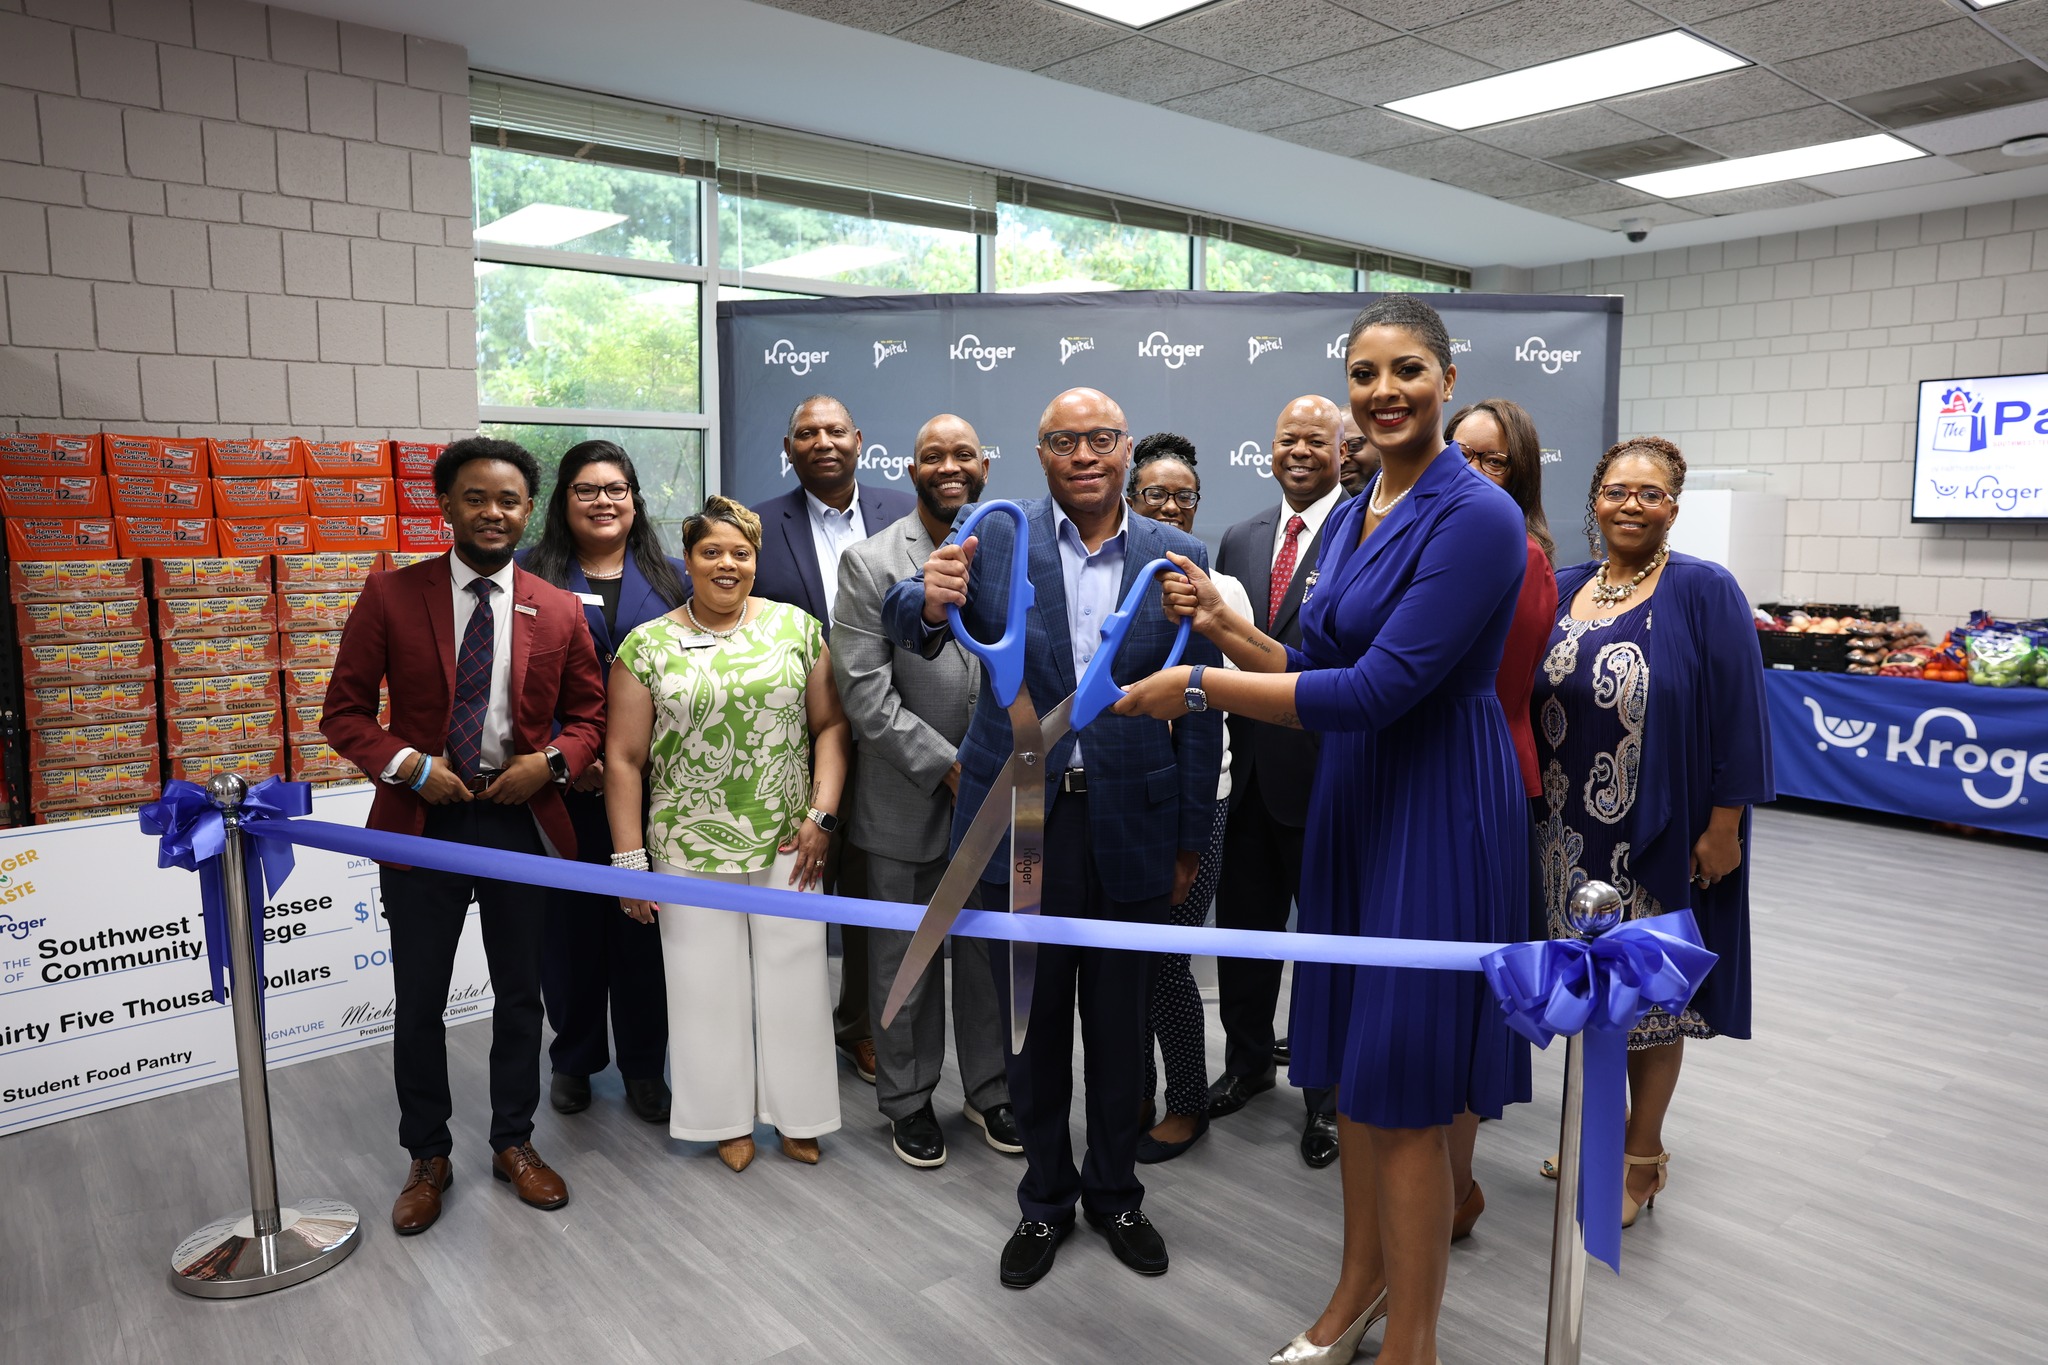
x=558 y=767
x=1195 y=698
x=824 y=820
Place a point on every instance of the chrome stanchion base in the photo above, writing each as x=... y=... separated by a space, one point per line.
x=227 y=1260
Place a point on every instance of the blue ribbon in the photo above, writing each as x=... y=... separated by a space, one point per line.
x=1600 y=988
x=193 y=836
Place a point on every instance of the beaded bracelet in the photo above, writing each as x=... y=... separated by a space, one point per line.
x=426 y=767
x=633 y=859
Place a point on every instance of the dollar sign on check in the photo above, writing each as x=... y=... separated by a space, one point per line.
x=362 y=912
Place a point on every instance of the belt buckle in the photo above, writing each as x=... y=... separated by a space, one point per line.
x=482 y=779
x=1074 y=781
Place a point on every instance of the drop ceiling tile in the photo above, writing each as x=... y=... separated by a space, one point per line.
x=1266 y=35
x=880 y=16
x=2026 y=24
x=1716 y=99
x=1650 y=215
x=1474 y=166
x=1927 y=170
x=1987 y=129
x=1415 y=15
x=1572 y=130
x=1781 y=196
x=1696 y=11
x=1982 y=91
x=1930 y=53
x=1990 y=161
x=1644 y=156
x=1777 y=132
x=1259 y=104
x=1358 y=133
x=1786 y=29
x=1023 y=33
x=1141 y=69
x=1526 y=32
x=1387 y=71
x=1591 y=198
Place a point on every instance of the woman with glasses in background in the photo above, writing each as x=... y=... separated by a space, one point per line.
x=597 y=542
x=1165 y=487
x=1654 y=745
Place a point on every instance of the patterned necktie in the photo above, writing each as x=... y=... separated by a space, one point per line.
x=473 y=684
x=1283 y=568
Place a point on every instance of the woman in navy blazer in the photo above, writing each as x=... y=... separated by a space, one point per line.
x=598 y=543
x=1416 y=822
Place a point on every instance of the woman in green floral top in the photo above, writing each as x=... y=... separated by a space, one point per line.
x=719 y=712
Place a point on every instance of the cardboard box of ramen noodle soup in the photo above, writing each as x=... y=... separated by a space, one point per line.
x=306 y=686
x=252 y=766
x=319 y=763
x=425 y=536
x=228 y=733
x=76 y=746
x=220 y=694
x=98 y=786
x=54 y=495
x=41 y=623
x=57 y=580
x=405 y=559
x=88 y=661
x=184 y=618
x=309 y=648
x=60 y=538
x=83 y=703
x=321 y=570
x=415 y=459
x=50 y=453
x=256 y=457
x=153 y=537
x=157 y=455
x=216 y=577
x=355 y=533
x=251 y=498
x=265 y=535
x=200 y=656
x=349 y=459
x=344 y=497
x=160 y=495
x=302 y=721
x=327 y=610
x=416 y=497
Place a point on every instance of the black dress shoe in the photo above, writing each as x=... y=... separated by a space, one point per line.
x=1029 y=1253
x=569 y=1094
x=1151 y=1151
x=1232 y=1092
x=1281 y=1051
x=648 y=1098
x=1319 y=1140
x=998 y=1123
x=1134 y=1240
x=918 y=1140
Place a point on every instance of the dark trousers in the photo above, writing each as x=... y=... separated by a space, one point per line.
x=1112 y=989
x=597 y=961
x=426 y=910
x=846 y=874
x=1261 y=878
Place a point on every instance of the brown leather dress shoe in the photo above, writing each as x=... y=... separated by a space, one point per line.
x=536 y=1181
x=419 y=1203
x=862 y=1055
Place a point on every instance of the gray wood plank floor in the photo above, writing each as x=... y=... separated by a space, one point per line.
x=1862 y=1183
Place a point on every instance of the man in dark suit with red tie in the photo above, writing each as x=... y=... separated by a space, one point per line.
x=482 y=659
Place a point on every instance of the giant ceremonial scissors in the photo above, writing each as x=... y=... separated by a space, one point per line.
x=1015 y=804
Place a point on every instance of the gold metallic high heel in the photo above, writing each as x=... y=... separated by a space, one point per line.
x=1302 y=1351
x=1629 y=1207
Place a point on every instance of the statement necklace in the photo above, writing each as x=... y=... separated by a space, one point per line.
x=1607 y=594
x=702 y=629
x=1372 y=503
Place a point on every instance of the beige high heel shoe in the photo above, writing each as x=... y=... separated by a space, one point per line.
x=805 y=1150
x=1629 y=1207
x=737 y=1153
x=1302 y=1351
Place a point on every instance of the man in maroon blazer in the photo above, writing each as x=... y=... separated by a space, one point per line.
x=482 y=660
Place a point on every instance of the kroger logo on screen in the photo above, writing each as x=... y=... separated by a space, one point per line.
x=1260 y=346
x=985 y=358
x=784 y=352
x=1987 y=489
x=1941 y=738
x=885 y=349
x=1073 y=346
x=1159 y=346
x=1251 y=455
x=1537 y=351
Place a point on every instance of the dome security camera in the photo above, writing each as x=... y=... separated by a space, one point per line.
x=1636 y=229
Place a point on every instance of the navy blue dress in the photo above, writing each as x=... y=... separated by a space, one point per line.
x=1417 y=826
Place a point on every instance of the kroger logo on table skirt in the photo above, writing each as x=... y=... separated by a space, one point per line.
x=1941 y=739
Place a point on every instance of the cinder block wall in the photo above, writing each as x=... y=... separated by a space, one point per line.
x=1800 y=355
x=218 y=218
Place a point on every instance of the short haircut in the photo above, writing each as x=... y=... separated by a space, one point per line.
x=1411 y=315
x=460 y=453
x=797 y=411
x=721 y=509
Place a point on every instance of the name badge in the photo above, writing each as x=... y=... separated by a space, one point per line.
x=696 y=642
x=525 y=610
x=589 y=599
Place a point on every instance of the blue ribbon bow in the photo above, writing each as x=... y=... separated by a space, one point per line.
x=1602 y=988
x=193 y=837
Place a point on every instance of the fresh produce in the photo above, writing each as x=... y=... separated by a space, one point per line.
x=2000 y=658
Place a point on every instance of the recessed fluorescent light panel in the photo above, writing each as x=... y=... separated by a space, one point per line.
x=1134 y=13
x=1797 y=164
x=1627 y=69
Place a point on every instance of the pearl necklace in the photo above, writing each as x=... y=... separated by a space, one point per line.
x=593 y=574
x=1607 y=594
x=702 y=629
x=1372 y=504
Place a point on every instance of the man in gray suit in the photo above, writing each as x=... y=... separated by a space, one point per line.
x=909 y=714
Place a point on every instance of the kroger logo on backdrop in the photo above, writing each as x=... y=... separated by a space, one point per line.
x=878 y=458
x=1941 y=737
x=785 y=353
x=1251 y=455
x=1259 y=346
x=1073 y=346
x=1159 y=346
x=969 y=347
x=1536 y=351
x=885 y=349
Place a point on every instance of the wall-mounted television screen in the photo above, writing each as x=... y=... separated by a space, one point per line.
x=1981 y=451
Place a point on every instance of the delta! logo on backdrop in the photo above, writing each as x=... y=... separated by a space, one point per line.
x=1261 y=346
x=886 y=349
x=1073 y=346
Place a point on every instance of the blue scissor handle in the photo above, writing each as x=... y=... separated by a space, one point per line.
x=1005 y=657
x=1098 y=690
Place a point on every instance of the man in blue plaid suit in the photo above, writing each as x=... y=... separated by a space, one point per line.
x=1129 y=803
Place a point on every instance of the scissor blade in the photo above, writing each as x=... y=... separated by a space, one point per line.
x=1027 y=854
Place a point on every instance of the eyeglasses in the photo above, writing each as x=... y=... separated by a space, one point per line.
x=1353 y=444
x=591 y=492
x=1492 y=461
x=1101 y=440
x=1615 y=494
x=1156 y=496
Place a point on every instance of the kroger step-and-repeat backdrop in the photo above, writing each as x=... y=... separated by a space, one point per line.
x=104 y=995
x=1216 y=368
x=1938 y=751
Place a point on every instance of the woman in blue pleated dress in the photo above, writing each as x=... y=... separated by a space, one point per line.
x=1416 y=827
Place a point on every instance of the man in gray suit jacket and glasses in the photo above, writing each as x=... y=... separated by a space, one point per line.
x=909 y=714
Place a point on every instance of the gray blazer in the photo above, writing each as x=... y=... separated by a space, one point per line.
x=909 y=713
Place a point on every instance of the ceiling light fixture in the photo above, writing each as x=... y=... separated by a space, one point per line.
x=1626 y=69
x=1799 y=163
x=547 y=225
x=2034 y=144
x=1983 y=4
x=1134 y=13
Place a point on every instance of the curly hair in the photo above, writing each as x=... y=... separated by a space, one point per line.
x=1651 y=447
x=1411 y=315
x=1161 y=445
x=718 y=508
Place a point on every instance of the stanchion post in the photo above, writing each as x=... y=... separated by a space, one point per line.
x=1594 y=909
x=270 y=1246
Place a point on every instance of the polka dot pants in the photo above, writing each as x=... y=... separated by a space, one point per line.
x=1175 y=1016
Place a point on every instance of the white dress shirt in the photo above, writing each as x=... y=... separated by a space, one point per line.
x=497 y=736
x=1091 y=581
x=833 y=533
x=1312 y=518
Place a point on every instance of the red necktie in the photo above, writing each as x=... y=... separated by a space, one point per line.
x=1283 y=568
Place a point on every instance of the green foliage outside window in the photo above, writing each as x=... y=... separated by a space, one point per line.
x=578 y=339
x=670 y=465
x=1231 y=266
x=659 y=212
x=1036 y=248
x=784 y=239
